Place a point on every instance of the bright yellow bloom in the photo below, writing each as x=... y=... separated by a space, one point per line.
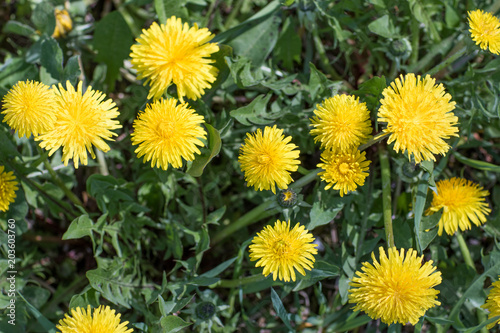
x=63 y=23
x=174 y=52
x=396 y=290
x=418 y=116
x=8 y=187
x=485 y=30
x=341 y=123
x=29 y=108
x=281 y=250
x=267 y=159
x=344 y=171
x=462 y=201
x=167 y=132
x=83 y=120
x=493 y=303
x=102 y=320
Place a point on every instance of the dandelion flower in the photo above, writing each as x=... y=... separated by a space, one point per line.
x=281 y=250
x=63 y=23
x=485 y=30
x=462 y=201
x=174 y=52
x=83 y=120
x=267 y=159
x=493 y=303
x=418 y=116
x=341 y=122
x=166 y=132
x=396 y=290
x=101 y=320
x=8 y=187
x=344 y=171
x=29 y=108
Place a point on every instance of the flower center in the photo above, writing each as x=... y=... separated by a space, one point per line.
x=166 y=129
x=264 y=159
x=344 y=168
x=281 y=248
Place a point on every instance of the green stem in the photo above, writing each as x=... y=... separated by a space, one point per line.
x=447 y=62
x=256 y=214
x=415 y=37
x=374 y=140
x=71 y=196
x=311 y=175
x=465 y=250
x=260 y=212
x=101 y=160
x=238 y=282
x=481 y=316
x=386 y=195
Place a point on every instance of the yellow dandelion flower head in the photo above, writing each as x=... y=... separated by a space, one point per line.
x=29 y=108
x=485 y=30
x=166 y=132
x=175 y=52
x=64 y=24
x=341 y=122
x=267 y=158
x=344 y=171
x=281 y=250
x=462 y=201
x=398 y=289
x=101 y=320
x=83 y=120
x=418 y=116
x=8 y=187
x=493 y=303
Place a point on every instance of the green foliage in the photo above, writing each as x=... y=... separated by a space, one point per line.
x=168 y=249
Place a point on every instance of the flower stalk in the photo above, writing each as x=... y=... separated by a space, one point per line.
x=386 y=195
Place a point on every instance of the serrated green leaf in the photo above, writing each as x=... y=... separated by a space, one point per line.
x=112 y=284
x=257 y=42
x=317 y=81
x=320 y=85
x=384 y=27
x=289 y=45
x=321 y=215
x=43 y=18
x=79 y=227
x=112 y=41
x=168 y=8
x=201 y=161
x=72 y=70
x=172 y=324
x=51 y=58
x=370 y=91
x=255 y=112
